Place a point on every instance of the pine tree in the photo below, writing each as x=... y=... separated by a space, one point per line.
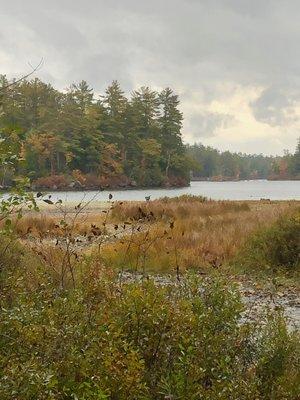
x=82 y=95
x=170 y=123
x=145 y=110
x=114 y=124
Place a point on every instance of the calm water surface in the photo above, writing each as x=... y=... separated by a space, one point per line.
x=241 y=190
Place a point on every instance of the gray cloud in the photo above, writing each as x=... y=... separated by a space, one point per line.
x=276 y=106
x=190 y=45
x=206 y=124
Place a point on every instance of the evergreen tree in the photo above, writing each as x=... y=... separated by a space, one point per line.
x=82 y=95
x=114 y=124
x=170 y=123
x=145 y=111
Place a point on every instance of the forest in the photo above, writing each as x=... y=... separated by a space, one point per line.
x=77 y=139
x=96 y=140
x=216 y=165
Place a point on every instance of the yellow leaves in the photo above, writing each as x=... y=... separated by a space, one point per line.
x=79 y=176
x=110 y=161
x=44 y=143
x=150 y=147
x=69 y=157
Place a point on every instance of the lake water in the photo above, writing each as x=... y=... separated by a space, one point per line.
x=241 y=190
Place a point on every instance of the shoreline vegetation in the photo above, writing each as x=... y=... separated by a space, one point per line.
x=183 y=218
x=61 y=183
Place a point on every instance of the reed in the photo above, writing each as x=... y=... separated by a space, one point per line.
x=189 y=234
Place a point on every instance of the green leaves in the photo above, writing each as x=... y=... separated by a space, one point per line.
x=13 y=204
x=142 y=340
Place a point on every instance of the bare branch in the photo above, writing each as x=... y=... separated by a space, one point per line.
x=34 y=69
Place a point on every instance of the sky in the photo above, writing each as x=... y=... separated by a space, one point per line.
x=235 y=64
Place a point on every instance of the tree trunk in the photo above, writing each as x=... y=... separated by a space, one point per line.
x=168 y=165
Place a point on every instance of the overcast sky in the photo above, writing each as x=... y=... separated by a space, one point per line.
x=234 y=63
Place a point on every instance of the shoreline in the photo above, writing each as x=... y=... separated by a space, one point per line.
x=6 y=189
x=247 y=180
x=96 y=189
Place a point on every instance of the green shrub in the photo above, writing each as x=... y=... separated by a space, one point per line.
x=275 y=247
x=20 y=269
x=106 y=340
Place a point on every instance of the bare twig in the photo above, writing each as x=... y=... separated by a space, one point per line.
x=15 y=82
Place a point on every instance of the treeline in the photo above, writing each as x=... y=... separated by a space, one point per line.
x=76 y=138
x=216 y=165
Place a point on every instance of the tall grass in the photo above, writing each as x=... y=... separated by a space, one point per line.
x=204 y=235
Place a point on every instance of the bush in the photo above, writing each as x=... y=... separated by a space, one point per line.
x=20 y=269
x=53 y=182
x=274 y=247
x=10 y=255
x=106 y=340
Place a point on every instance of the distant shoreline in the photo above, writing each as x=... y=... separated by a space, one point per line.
x=224 y=179
x=132 y=188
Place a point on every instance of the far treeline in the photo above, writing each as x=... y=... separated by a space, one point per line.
x=216 y=165
x=76 y=139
